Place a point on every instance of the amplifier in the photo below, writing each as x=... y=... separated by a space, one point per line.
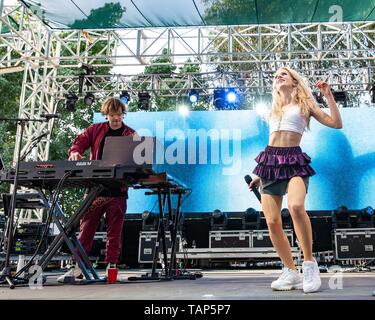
x=27 y=246
x=32 y=230
x=354 y=243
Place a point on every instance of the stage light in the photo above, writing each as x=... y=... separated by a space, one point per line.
x=251 y=219
x=89 y=99
x=225 y=99
x=86 y=73
x=231 y=96
x=150 y=221
x=366 y=218
x=193 y=96
x=71 y=101
x=220 y=102
x=368 y=210
x=341 y=218
x=183 y=110
x=218 y=220
x=125 y=97
x=143 y=101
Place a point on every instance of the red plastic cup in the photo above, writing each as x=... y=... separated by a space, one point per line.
x=112 y=275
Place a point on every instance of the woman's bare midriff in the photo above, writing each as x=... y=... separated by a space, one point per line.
x=285 y=139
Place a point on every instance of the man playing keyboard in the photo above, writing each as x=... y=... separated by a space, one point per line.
x=111 y=201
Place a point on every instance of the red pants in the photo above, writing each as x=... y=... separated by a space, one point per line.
x=115 y=209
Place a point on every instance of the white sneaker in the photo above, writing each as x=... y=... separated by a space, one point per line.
x=73 y=273
x=288 y=280
x=311 y=277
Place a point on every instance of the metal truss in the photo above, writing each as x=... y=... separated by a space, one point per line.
x=253 y=86
x=166 y=85
x=259 y=45
x=27 y=45
x=247 y=55
x=262 y=45
x=244 y=57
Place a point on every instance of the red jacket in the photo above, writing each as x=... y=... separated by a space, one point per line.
x=92 y=138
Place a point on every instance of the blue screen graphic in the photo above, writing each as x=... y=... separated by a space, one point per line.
x=212 y=151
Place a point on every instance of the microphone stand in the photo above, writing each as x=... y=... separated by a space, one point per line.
x=33 y=144
x=6 y=275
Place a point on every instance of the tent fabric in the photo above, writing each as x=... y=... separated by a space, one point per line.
x=108 y=14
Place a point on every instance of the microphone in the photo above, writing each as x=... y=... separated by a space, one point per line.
x=50 y=115
x=255 y=190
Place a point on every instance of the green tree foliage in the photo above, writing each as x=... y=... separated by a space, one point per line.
x=107 y=16
x=229 y=12
x=10 y=90
x=161 y=65
x=165 y=68
x=170 y=80
x=189 y=67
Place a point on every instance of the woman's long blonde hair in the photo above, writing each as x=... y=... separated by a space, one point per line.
x=301 y=95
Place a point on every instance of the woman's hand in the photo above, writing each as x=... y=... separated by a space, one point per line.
x=255 y=183
x=324 y=88
x=332 y=120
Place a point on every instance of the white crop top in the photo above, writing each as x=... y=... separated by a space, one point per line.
x=291 y=120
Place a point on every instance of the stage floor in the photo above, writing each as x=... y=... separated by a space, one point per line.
x=214 y=285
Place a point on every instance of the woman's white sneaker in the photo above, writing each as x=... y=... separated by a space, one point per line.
x=289 y=280
x=311 y=276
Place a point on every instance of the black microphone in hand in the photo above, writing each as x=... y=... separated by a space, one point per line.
x=255 y=190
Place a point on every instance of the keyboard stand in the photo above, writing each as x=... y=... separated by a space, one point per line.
x=67 y=228
x=164 y=191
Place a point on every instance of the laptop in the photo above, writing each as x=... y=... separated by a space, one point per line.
x=129 y=151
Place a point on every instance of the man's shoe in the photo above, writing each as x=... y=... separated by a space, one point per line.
x=71 y=275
